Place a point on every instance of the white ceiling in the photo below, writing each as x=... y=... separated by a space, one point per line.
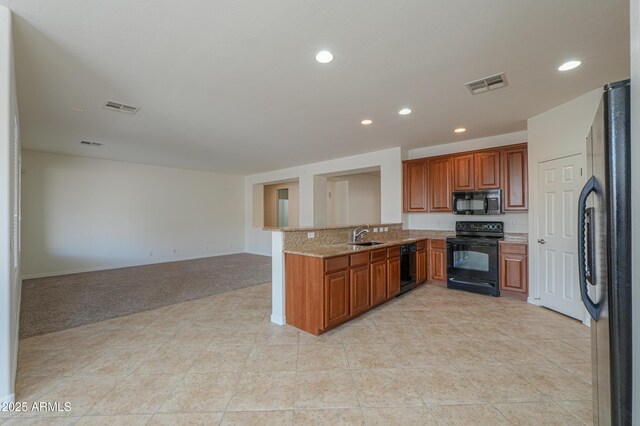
x=232 y=85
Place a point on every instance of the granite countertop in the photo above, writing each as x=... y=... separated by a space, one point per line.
x=325 y=228
x=515 y=238
x=339 y=249
x=330 y=250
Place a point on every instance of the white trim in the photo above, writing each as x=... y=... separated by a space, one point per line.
x=127 y=265
x=280 y=320
x=8 y=398
x=277 y=279
x=533 y=301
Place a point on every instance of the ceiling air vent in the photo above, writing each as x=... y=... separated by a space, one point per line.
x=118 y=107
x=488 y=83
x=94 y=144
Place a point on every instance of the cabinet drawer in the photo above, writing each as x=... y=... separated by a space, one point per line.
x=420 y=245
x=513 y=248
x=438 y=244
x=359 y=259
x=333 y=264
x=393 y=252
x=377 y=255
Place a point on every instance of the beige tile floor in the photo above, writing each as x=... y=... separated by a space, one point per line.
x=431 y=357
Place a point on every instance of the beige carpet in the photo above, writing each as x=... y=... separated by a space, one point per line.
x=67 y=301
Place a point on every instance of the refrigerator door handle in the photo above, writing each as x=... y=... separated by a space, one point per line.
x=593 y=308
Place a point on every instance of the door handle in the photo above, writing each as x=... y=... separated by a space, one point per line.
x=541 y=241
x=593 y=308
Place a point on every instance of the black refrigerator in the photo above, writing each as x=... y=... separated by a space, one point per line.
x=604 y=245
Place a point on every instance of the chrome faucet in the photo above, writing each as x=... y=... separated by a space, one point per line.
x=358 y=232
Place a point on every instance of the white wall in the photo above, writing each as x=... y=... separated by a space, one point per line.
x=9 y=213
x=513 y=222
x=362 y=198
x=389 y=161
x=635 y=179
x=85 y=214
x=556 y=133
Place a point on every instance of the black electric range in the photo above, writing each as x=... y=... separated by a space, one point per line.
x=472 y=257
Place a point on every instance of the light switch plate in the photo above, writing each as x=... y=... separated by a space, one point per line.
x=375 y=229
x=311 y=234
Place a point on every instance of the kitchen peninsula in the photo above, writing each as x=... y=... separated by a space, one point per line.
x=328 y=278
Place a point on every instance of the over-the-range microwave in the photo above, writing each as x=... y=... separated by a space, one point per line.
x=478 y=202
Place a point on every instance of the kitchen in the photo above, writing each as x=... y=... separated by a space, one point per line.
x=339 y=213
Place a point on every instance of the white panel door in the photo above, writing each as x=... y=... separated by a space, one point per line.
x=559 y=185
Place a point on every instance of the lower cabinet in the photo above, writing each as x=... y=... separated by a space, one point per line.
x=359 y=283
x=421 y=266
x=378 y=282
x=393 y=277
x=336 y=296
x=437 y=260
x=514 y=270
x=322 y=293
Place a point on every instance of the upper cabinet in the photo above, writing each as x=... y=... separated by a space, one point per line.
x=439 y=184
x=415 y=186
x=515 y=192
x=488 y=170
x=464 y=172
x=429 y=182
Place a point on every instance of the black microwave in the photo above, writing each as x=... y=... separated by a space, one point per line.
x=477 y=202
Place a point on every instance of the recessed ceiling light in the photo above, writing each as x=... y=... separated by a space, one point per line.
x=324 y=57
x=77 y=110
x=404 y=111
x=460 y=130
x=569 y=65
x=366 y=122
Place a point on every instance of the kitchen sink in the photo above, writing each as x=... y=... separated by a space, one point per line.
x=366 y=243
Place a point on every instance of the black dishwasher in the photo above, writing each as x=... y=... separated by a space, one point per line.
x=407 y=267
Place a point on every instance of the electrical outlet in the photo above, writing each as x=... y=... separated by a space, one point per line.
x=206 y=248
x=386 y=229
x=151 y=253
x=174 y=251
x=311 y=234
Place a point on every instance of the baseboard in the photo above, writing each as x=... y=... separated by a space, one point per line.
x=533 y=301
x=125 y=265
x=276 y=319
x=8 y=399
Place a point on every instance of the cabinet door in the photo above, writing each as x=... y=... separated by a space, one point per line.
x=421 y=266
x=440 y=187
x=515 y=180
x=487 y=170
x=513 y=273
x=415 y=186
x=336 y=298
x=359 y=282
x=393 y=277
x=463 y=173
x=437 y=264
x=378 y=282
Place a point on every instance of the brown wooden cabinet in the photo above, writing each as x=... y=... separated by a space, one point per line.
x=464 y=172
x=515 y=194
x=321 y=293
x=378 y=282
x=437 y=260
x=415 y=186
x=336 y=297
x=359 y=284
x=514 y=270
x=428 y=183
x=487 y=168
x=421 y=263
x=440 y=173
x=393 y=276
